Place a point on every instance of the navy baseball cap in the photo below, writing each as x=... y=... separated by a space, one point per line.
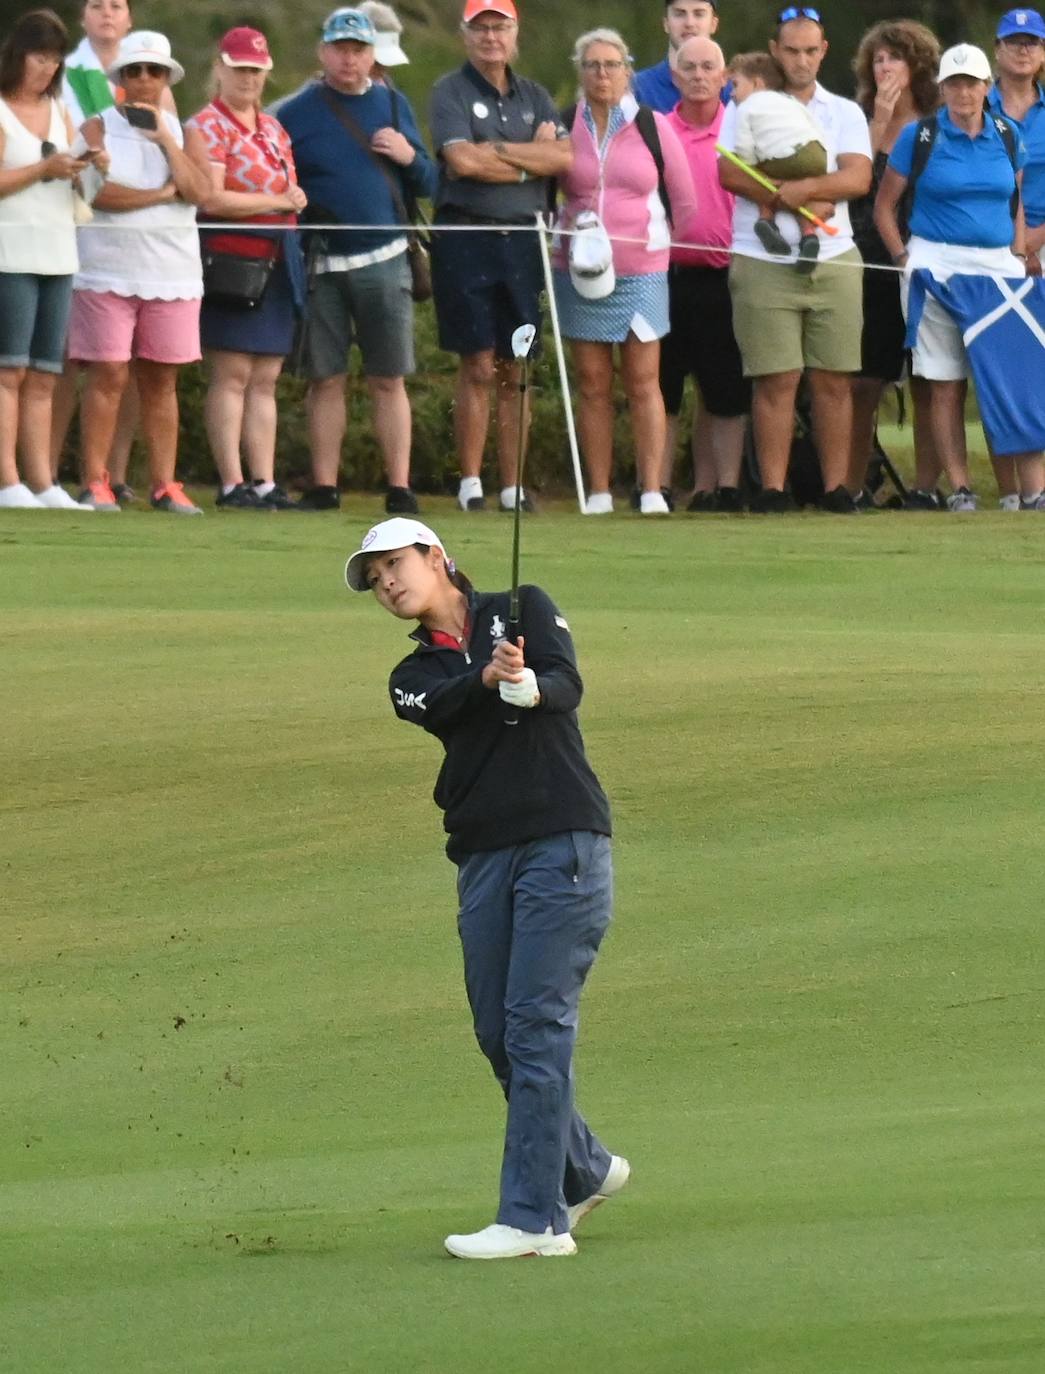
x=1018 y=22
x=349 y=26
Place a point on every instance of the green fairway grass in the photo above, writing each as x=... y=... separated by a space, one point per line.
x=241 y=1100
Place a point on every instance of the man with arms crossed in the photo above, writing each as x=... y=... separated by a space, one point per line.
x=498 y=138
x=787 y=322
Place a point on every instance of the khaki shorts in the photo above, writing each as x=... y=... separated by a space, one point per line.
x=808 y=161
x=786 y=321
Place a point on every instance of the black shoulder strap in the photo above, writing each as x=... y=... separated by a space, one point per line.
x=647 y=127
x=924 y=138
x=1008 y=137
x=568 y=116
x=357 y=135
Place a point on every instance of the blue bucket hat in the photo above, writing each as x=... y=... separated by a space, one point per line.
x=1016 y=22
x=348 y=26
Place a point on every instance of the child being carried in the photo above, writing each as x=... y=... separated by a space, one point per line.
x=780 y=138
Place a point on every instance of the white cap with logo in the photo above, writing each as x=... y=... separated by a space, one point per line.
x=398 y=533
x=965 y=60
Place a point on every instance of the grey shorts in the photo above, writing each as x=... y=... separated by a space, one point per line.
x=371 y=306
x=34 y=319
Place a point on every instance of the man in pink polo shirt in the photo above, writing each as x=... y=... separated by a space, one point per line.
x=701 y=343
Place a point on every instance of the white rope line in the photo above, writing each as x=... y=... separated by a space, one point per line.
x=248 y=227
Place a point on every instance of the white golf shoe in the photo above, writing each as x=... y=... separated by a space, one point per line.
x=599 y=503
x=57 y=498
x=507 y=1242
x=18 y=497
x=617 y=1176
x=653 y=503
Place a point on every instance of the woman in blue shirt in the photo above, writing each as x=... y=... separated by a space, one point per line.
x=1019 y=55
x=961 y=221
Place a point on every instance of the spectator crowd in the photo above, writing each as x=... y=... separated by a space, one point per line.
x=733 y=222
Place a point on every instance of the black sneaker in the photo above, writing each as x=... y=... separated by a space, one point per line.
x=808 y=253
x=771 y=239
x=276 y=499
x=917 y=499
x=729 y=499
x=319 y=498
x=241 y=497
x=400 y=501
x=702 y=501
x=838 y=502
x=123 y=493
x=769 y=501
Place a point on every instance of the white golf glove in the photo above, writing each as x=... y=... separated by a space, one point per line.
x=524 y=694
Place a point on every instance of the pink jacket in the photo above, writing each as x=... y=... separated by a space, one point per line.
x=625 y=195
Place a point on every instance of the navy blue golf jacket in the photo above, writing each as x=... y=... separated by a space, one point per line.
x=503 y=784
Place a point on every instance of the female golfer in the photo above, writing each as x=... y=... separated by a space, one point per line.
x=529 y=831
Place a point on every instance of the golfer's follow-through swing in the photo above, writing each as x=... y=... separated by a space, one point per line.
x=529 y=831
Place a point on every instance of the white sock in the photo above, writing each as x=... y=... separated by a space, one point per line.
x=263 y=488
x=470 y=486
x=1030 y=497
x=226 y=487
x=508 y=497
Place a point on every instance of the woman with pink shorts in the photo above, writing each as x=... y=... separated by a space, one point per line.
x=137 y=295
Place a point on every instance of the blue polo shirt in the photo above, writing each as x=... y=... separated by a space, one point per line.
x=1031 y=129
x=654 y=87
x=963 y=195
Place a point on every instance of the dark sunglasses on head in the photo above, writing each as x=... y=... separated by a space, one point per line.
x=798 y=12
x=145 y=69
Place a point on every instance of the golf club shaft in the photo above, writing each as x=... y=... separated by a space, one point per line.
x=764 y=181
x=513 y=600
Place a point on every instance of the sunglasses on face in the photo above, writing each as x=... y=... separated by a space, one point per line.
x=144 y=69
x=798 y=12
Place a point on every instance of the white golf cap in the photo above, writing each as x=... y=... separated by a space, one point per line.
x=143 y=45
x=965 y=60
x=398 y=533
x=388 y=51
x=591 y=258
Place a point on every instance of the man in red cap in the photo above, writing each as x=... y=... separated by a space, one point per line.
x=499 y=139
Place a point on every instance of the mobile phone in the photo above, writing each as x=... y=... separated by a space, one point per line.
x=139 y=118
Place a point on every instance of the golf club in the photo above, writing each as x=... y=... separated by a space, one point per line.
x=522 y=342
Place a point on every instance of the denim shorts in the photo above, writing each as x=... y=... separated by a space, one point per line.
x=34 y=317
x=371 y=306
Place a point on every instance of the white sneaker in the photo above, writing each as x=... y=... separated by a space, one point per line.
x=1009 y=503
x=617 y=1176
x=470 y=494
x=57 y=498
x=18 y=497
x=599 y=503
x=653 y=503
x=962 y=500
x=507 y=1242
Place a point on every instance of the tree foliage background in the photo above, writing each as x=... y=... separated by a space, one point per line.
x=548 y=29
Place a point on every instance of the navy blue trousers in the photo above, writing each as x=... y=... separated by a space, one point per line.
x=531 y=920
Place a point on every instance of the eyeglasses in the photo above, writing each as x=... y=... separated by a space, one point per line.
x=145 y=69
x=610 y=67
x=799 y=12
x=497 y=29
x=1021 y=40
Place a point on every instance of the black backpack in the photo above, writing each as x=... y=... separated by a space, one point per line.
x=925 y=137
x=647 y=127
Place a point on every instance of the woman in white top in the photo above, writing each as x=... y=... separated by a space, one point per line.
x=87 y=90
x=37 y=252
x=137 y=293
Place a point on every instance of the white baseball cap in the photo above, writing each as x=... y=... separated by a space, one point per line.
x=398 y=533
x=388 y=50
x=143 y=45
x=591 y=258
x=965 y=60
